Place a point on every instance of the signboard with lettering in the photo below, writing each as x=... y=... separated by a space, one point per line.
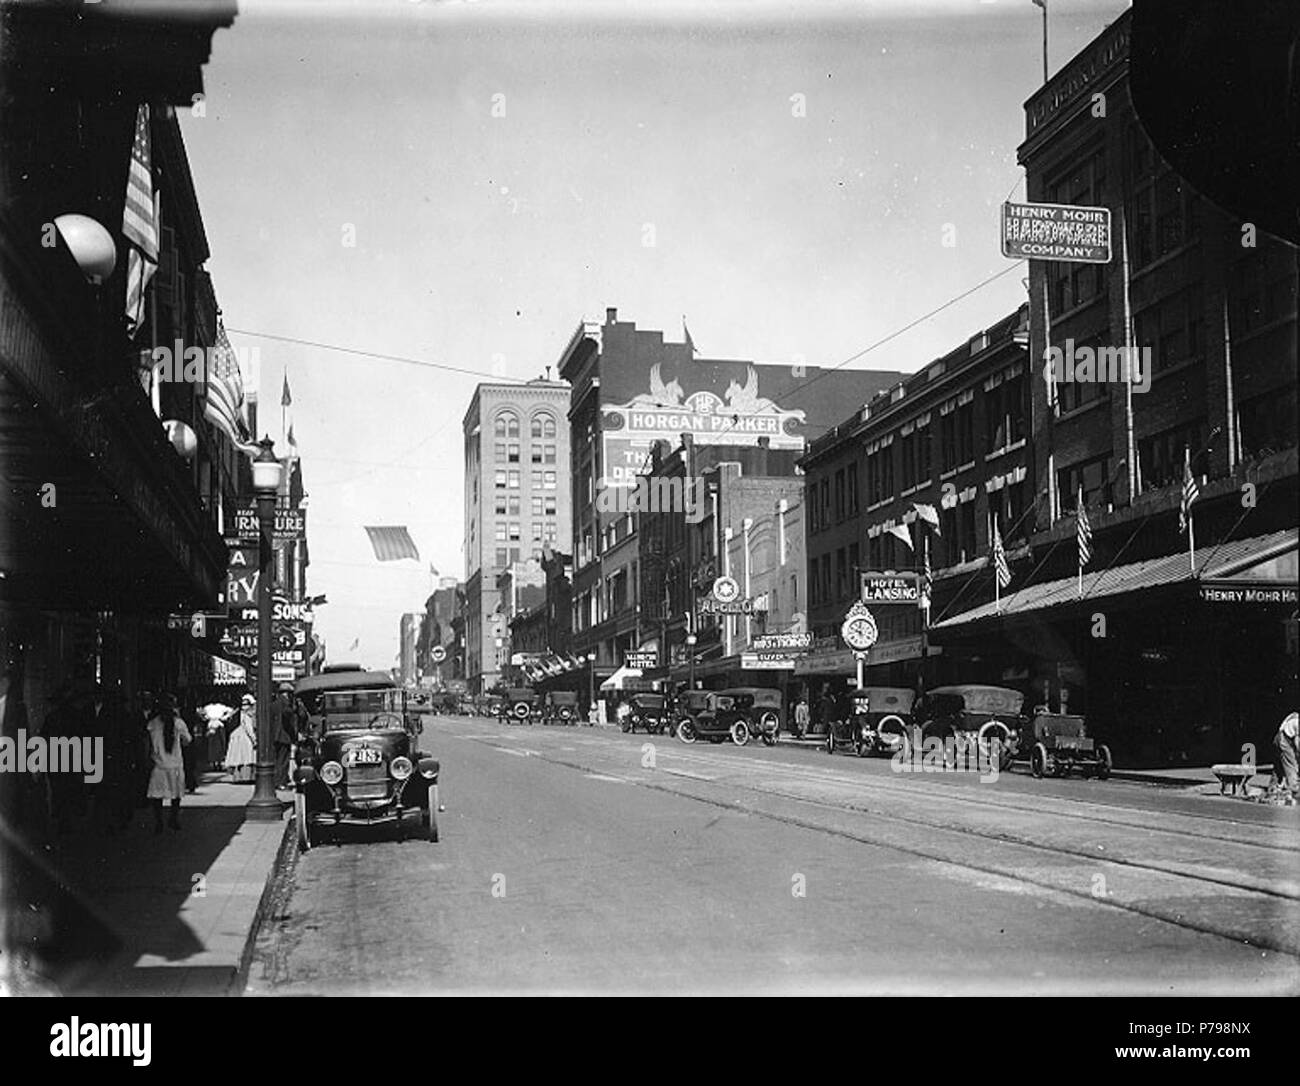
x=887 y=588
x=1227 y=592
x=290 y=524
x=1056 y=232
x=783 y=642
x=766 y=661
x=743 y=606
x=640 y=659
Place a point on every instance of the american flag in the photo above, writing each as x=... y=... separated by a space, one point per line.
x=927 y=577
x=1000 y=566
x=392 y=543
x=140 y=220
x=224 y=401
x=1084 y=531
x=1190 y=492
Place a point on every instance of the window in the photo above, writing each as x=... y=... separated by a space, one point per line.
x=853 y=489
x=965 y=433
x=512 y=452
x=915 y=457
x=500 y=478
x=948 y=535
x=880 y=475
x=1259 y=295
x=501 y=531
x=512 y=505
x=1004 y=409
x=537 y=531
x=855 y=564
x=548 y=452
x=514 y=479
x=550 y=532
x=1073 y=394
x=501 y=557
x=1172 y=329
x=549 y=480
x=1161 y=455
x=839 y=495
x=826 y=576
x=549 y=506
x=506 y=425
x=514 y=531
x=1007 y=505
x=1164 y=217
x=966 y=531
x=948 y=442
x=1268 y=423
x=500 y=505
x=814 y=508
x=537 y=507
x=841 y=574
x=499 y=451
x=543 y=425
x=1095 y=478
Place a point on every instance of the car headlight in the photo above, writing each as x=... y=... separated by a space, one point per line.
x=331 y=773
x=401 y=767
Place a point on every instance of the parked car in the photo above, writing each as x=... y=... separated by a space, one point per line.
x=648 y=712
x=1062 y=744
x=878 y=723
x=974 y=712
x=738 y=712
x=521 y=705
x=360 y=762
x=561 y=707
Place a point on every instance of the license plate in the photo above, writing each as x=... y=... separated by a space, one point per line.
x=362 y=756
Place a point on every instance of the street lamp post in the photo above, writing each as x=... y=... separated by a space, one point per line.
x=690 y=652
x=267 y=471
x=591 y=686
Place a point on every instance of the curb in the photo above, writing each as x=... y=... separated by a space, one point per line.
x=288 y=841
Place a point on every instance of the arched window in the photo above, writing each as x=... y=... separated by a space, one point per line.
x=543 y=425
x=507 y=424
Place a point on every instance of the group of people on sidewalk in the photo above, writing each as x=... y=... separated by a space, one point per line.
x=154 y=750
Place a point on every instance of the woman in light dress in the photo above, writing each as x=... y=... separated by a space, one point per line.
x=168 y=736
x=241 y=751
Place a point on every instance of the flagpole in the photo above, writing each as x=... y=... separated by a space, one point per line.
x=997 y=580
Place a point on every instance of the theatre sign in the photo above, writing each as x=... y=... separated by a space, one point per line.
x=1056 y=232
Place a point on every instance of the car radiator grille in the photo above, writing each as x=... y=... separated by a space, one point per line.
x=367 y=782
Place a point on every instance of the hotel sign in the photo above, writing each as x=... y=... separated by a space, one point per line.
x=640 y=659
x=886 y=588
x=1056 y=232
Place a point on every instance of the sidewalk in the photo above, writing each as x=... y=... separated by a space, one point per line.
x=145 y=914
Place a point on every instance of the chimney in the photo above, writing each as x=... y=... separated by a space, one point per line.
x=611 y=315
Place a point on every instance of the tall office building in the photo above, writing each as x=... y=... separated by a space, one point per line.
x=516 y=502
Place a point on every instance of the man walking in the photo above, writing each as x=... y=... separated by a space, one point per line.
x=1286 y=756
x=801 y=717
x=285 y=728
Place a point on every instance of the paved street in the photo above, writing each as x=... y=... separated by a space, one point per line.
x=587 y=860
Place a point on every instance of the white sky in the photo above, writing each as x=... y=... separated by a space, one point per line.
x=481 y=241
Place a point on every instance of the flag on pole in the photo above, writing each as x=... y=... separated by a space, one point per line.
x=1083 y=531
x=901 y=533
x=293 y=444
x=928 y=514
x=686 y=333
x=392 y=543
x=223 y=404
x=1002 y=570
x=285 y=399
x=140 y=220
x=927 y=576
x=1190 y=492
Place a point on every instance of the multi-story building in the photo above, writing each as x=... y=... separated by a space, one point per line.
x=745 y=521
x=516 y=504
x=1173 y=650
x=408 y=633
x=632 y=389
x=438 y=630
x=952 y=437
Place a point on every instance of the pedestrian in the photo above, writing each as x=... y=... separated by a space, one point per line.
x=285 y=729
x=216 y=716
x=801 y=717
x=168 y=737
x=241 y=750
x=190 y=751
x=1286 y=756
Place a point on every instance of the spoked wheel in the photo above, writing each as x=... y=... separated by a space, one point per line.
x=300 y=817
x=1038 y=760
x=740 y=733
x=830 y=740
x=1104 y=762
x=686 y=732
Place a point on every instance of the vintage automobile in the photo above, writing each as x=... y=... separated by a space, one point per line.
x=738 y=712
x=878 y=723
x=649 y=712
x=360 y=762
x=974 y=712
x=1062 y=743
x=521 y=705
x=561 y=707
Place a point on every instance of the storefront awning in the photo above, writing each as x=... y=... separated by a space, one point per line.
x=1258 y=562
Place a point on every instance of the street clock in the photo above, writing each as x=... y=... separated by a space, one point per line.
x=859 y=629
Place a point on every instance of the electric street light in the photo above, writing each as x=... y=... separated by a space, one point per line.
x=591 y=700
x=691 y=639
x=267 y=472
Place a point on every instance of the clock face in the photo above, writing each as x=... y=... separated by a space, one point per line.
x=859 y=632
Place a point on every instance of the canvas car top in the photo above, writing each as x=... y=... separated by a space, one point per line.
x=984 y=699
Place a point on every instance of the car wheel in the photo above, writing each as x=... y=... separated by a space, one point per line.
x=1104 y=762
x=1038 y=760
x=686 y=732
x=830 y=740
x=300 y=817
x=740 y=733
